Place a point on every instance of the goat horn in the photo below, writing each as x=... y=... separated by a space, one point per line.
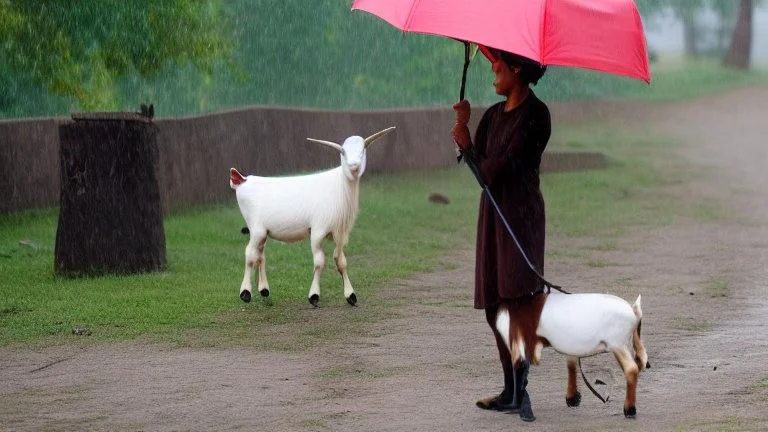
x=330 y=144
x=377 y=135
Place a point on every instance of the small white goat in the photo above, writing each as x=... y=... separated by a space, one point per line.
x=583 y=325
x=290 y=209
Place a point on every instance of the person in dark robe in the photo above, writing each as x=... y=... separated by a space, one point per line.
x=507 y=149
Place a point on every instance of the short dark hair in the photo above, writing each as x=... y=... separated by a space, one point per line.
x=531 y=70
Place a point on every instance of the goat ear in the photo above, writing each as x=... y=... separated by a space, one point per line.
x=235 y=177
x=368 y=141
x=330 y=144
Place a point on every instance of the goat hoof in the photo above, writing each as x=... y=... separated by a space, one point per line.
x=647 y=365
x=352 y=299
x=573 y=401
x=314 y=299
x=264 y=292
x=630 y=412
x=245 y=296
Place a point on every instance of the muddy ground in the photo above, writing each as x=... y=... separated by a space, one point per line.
x=704 y=283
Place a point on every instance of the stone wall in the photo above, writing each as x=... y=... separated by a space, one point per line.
x=197 y=152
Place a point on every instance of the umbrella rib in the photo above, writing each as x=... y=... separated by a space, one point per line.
x=410 y=15
x=542 y=32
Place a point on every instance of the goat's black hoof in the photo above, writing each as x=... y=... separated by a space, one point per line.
x=264 y=292
x=647 y=365
x=352 y=299
x=245 y=230
x=573 y=401
x=245 y=296
x=630 y=412
x=314 y=299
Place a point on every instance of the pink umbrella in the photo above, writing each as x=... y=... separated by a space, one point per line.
x=603 y=35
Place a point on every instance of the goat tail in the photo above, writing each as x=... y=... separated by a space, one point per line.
x=641 y=356
x=637 y=309
x=235 y=178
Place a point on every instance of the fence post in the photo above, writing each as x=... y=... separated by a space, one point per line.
x=110 y=216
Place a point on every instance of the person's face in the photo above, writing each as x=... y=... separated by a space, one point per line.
x=505 y=78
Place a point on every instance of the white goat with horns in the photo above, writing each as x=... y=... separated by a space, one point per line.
x=290 y=209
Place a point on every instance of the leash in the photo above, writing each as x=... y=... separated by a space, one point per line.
x=589 y=386
x=473 y=167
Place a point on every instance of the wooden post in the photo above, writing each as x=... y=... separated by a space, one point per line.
x=110 y=217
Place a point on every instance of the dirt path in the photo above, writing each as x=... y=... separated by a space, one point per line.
x=704 y=286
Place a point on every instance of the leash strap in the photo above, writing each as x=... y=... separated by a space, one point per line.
x=469 y=160
x=589 y=386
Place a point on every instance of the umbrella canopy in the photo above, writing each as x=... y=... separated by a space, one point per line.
x=603 y=35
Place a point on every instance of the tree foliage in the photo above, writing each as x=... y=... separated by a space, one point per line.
x=196 y=56
x=81 y=48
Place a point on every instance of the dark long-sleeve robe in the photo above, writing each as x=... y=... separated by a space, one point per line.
x=508 y=148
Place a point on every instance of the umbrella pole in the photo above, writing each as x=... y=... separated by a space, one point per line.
x=469 y=160
x=467 y=51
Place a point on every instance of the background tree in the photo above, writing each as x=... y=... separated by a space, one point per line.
x=741 y=43
x=733 y=29
x=80 y=49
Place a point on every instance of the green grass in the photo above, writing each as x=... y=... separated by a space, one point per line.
x=683 y=80
x=205 y=256
x=604 y=246
x=729 y=424
x=599 y=264
x=356 y=373
x=762 y=384
x=693 y=325
x=314 y=424
x=710 y=211
x=623 y=282
x=398 y=232
x=561 y=254
x=626 y=194
x=717 y=288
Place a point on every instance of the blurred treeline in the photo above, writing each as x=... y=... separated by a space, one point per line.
x=188 y=57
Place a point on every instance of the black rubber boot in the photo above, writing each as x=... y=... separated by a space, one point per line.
x=505 y=400
x=507 y=397
x=521 y=394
